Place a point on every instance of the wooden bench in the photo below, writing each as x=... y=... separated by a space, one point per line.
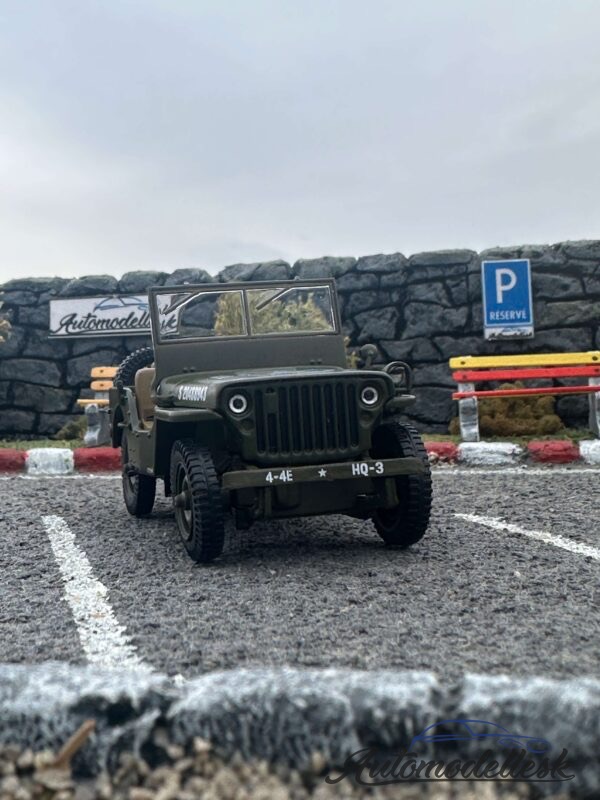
x=102 y=381
x=470 y=370
x=96 y=407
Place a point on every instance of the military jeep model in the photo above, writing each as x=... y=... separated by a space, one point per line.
x=246 y=405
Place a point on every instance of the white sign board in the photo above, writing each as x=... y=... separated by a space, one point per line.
x=126 y=315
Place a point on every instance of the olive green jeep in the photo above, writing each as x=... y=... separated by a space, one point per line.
x=246 y=405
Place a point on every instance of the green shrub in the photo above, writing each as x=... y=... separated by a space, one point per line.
x=74 y=429
x=515 y=416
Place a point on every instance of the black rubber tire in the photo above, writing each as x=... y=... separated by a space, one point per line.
x=139 y=359
x=407 y=522
x=139 y=491
x=201 y=522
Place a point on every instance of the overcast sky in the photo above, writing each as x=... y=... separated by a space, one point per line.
x=185 y=133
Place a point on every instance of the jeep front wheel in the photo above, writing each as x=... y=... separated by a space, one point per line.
x=405 y=523
x=197 y=500
x=138 y=490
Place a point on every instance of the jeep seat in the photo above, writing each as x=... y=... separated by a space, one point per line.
x=144 y=378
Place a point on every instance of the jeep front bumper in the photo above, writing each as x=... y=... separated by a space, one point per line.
x=322 y=473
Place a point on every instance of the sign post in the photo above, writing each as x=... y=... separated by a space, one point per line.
x=507 y=300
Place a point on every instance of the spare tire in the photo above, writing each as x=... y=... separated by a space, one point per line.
x=139 y=359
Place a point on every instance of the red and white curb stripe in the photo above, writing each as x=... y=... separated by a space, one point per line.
x=501 y=454
x=62 y=461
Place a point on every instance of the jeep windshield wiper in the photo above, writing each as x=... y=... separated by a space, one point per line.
x=276 y=296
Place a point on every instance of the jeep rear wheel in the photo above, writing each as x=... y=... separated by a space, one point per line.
x=197 y=501
x=138 y=490
x=407 y=522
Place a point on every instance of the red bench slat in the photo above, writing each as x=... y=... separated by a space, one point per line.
x=483 y=375
x=523 y=392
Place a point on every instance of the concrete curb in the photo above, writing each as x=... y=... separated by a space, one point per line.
x=285 y=715
x=62 y=461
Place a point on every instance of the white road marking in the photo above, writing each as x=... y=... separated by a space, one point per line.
x=524 y=471
x=85 y=476
x=104 y=641
x=541 y=536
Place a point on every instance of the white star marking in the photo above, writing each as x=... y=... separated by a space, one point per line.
x=322 y=473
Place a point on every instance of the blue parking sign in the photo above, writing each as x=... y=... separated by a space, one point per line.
x=507 y=303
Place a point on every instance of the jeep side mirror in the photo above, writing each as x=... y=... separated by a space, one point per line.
x=368 y=353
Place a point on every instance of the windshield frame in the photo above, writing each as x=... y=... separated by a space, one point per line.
x=243 y=287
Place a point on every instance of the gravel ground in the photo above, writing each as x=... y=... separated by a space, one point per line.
x=200 y=775
x=320 y=592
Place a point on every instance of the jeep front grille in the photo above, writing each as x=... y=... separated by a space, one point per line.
x=306 y=418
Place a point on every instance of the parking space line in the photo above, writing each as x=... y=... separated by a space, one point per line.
x=540 y=536
x=546 y=471
x=104 y=640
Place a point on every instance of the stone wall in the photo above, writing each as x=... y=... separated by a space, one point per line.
x=423 y=309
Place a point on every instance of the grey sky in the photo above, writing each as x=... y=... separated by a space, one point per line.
x=165 y=133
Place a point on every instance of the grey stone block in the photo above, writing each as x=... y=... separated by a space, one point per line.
x=40 y=346
x=377 y=326
x=433 y=405
x=355 y=302
x=584 y=250
x=568 y=313
x=428 y=292
x=90 y=285
x=31 y=370
x=434 y=375
x=550 y=286
x=78 y=369
x=259 y=271
x=329 y=266
x=573 y=410
x=36 y=285
x=18 y=298
x=41 y=398
x=36 y=316
x=356 y=281
x=4 y=392
x=188 y=276
x=13 y=421
x=425 y=319
x=410 y=350
x=382 y=263
x=449 y=346
x=140 y=281
x=14 y=344
x=442 y=258
x=592 y=287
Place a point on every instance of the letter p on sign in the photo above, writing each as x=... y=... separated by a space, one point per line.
x=506 y=279
x=507 y=304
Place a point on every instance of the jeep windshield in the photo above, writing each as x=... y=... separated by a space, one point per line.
x=272 y=310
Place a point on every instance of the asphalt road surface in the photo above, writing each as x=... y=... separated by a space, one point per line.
x=506 y=580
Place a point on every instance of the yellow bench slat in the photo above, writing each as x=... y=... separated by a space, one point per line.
x=103 y=372
x=101 y=386
x=86 y=401
x=533 y=360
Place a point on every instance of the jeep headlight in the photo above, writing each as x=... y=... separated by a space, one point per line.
x=238 y=404
x=369 y=396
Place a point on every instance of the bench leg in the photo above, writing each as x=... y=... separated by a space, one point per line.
x=98 y=426
x=594 y=398
x=468 y=414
